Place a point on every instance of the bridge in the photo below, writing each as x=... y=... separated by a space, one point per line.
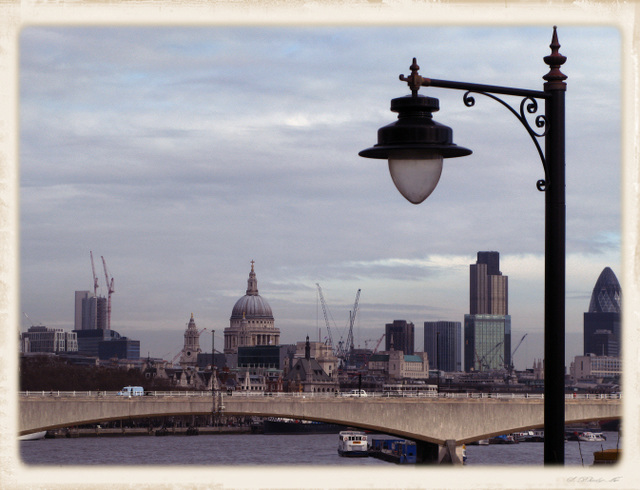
x=439 y=423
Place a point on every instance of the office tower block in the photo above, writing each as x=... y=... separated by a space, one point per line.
x=90 y=311
x=487 y=327
x=45 y=339
x=80 y=296
x=488 y=288
x=487 y=342
x=442 y=343
x=399 y=336
x=602 y=321
x=119 y=348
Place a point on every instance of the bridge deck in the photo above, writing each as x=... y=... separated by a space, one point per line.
x=462 y=417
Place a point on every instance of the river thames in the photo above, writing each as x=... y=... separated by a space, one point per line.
x=261 y=449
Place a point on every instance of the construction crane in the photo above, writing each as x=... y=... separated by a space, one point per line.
x=95 y=278
x=511 y=366
x=378 y=344
x=111 y=291
x=375 y=349
x=348 y=349
x=326 y=316
x=28 y=318
x=366 y=343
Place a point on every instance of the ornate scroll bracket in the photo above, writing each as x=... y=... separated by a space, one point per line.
x=528 y=105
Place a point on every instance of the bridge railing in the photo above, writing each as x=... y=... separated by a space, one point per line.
x=113 y=393
x=91 y=394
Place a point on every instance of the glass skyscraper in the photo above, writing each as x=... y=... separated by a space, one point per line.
x=602 y=321
x=443 y=343
x=487 y=342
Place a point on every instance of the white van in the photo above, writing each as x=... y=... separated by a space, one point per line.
x=131 y=391
x=355 y=393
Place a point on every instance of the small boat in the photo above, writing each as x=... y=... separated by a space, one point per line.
x=571 y=436
x=591 y=437
x=162 y=431
x=387 y=448
x=34 y=436
x=275 y=425
x=352 y=443
x=522 y=436
x=530 y=436
x=503 y=439
x=481 y=442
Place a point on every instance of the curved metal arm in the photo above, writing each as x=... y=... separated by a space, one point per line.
x=531 y=108
x=529 y=102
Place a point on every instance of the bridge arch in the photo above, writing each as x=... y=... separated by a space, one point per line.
x=434 y=420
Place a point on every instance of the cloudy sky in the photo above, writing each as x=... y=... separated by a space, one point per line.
x=181 y=154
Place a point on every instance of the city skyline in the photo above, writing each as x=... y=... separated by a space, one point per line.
x=181 y=154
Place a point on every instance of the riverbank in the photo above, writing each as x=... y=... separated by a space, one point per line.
x=142 y=431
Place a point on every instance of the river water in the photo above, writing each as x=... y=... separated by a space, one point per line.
x=261 y=449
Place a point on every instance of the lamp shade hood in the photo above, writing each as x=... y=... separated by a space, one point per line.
x=414 y=132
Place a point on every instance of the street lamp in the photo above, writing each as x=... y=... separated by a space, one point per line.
x=415 y=146
x=438 y=360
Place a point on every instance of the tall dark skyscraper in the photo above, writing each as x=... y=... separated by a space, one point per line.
x=487 y=327
x=442 y=343
x=400 y=336
x=602 y=321
x=488 y=288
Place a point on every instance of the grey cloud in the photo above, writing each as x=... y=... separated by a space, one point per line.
x=181 y=154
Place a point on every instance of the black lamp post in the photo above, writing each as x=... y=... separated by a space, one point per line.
x=438 y=361
x=416 y=145
x=213 y=370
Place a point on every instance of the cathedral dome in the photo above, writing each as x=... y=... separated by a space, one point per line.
x=252 y=305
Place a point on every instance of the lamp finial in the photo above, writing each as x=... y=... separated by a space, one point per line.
x=414 y=80
x=555 y=78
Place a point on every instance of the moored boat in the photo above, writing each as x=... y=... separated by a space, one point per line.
x=481 y=442
x=162 y=431
x=530 y=436
x=283 y=426
x=34 y=436
x=591 y=437
x=585 y=436
x=503 y=439
x=387 y=448
x=352 y=443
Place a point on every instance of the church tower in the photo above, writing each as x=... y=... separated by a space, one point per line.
x=191 y=349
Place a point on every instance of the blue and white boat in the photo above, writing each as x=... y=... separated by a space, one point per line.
x=352 y=443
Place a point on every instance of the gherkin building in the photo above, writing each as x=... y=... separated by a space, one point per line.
x=602 y=322
x=606 y=296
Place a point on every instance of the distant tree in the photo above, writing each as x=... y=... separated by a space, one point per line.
x=51 y=373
